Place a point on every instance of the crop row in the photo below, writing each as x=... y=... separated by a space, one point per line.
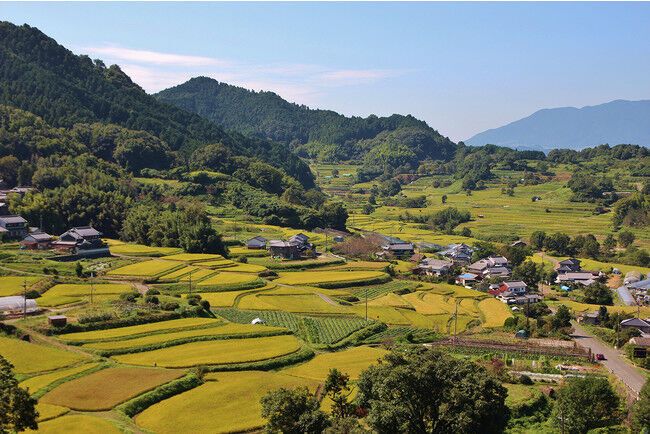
x=270 y=317
x=330 y=330
x=375 y=291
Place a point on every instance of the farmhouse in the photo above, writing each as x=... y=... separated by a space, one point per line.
x=637 y=323
x=492 y=266
x=458 y=253
x=584 y=278
x=14 y=227
x=516 y=287
x=302 y=241
x=398 y=250
x=37 y=240
x=466 y=279
x=510 y=297
x=569 y=265
x=83 y=241
x=257 y=243
x=284 y=249
x=589 y=318
x=434 y=267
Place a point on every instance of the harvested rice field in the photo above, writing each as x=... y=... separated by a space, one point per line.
x=227 y=402
x=107 y=388
x=34 y=384
x=351 y=362
x=142 y=329
x=29 y=358
x=214 y=352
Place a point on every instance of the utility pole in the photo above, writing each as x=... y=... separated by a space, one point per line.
x=91 y=287
x=618 y=318
x=190 y=289
x=366 y=303
x=456 y=321
x=24 y=297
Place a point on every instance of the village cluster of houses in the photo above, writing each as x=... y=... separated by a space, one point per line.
x=293 y=248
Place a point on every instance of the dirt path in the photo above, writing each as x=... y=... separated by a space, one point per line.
x=554 y=261
x=49 y=340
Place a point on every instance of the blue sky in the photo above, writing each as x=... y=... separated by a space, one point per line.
x=462 y=67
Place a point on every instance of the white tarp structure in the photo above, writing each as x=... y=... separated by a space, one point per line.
x=16 y=305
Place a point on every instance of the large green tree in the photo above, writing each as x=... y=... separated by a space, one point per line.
x=586 y=403
x=293 y=412
x=425 y=391
x=17 y=408
x=641 y=410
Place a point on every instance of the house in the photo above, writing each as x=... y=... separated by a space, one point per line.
x=82 y=241
x=21 y=190
x=284 y=249
x=569 y=265
x=302 y=241
x=496 y=272
x=14 y=227
x=492 y=266
x=519 y=243
x=256 y=243
x=584 y=278
x=510 y=297
x=398 y=250
x=589 y=318
x=417 y=257
x=517 y=287
x=4 y=208
x=435 y=267
x=637 y=323
x=459 y=253
x=37 y=240
x=465 y=279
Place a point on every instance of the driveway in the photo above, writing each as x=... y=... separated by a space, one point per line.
x=614 y=361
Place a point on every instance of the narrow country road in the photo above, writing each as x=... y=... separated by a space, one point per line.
x=614 y=362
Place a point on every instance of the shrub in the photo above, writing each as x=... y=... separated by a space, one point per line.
x=525 y=380
x=268 y=273
x=243 y=259
x=205 y=304
x=95 y=317
x=152 y=291
x=129 y=297
x=151 y=299
x=193 y=299
x=169 y=305
x=32 y=294
x=142 y=402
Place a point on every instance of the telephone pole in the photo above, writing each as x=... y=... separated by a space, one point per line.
x=190 y=289
x=24 y=297
x=366 y=303
x=91 y=287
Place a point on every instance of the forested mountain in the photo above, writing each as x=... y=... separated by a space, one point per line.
x=322 y=134
x=575 y=128
x=42 y=77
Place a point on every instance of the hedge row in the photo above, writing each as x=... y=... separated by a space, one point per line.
x=114 y=323
x=146 y=400
x=301 y=355
x=182 y=288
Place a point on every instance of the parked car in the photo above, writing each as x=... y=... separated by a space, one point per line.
x=600 y=356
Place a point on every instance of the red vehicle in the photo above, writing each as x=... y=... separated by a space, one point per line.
x=600 y=356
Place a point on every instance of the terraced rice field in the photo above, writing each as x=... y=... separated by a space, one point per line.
x=150 y=268
x=243 y=251
x=215 y=352
x=107 y=388
x=197 y=275
x=246 y=268
x=142 y=329
x=391 y=299
x=226 y=279
x=584 y=307
x=331 y=330
x=227 y=402
x=351 y=362
x=141 y=250
x=193 y=257
x=299 y=303
x=494 y=312
x=29 y=358
x=34 y=384
x=78 y=423
x=12 y=285
x=216 y=263
x=321 y=277
x=175 y=275
x=48 y=411
x=386 y=314
x=63 y=294
x=225 y=298
x=223 y=330
x=374 y=291
x=273 y=318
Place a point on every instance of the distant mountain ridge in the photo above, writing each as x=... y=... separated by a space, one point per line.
x=311 y=132
x=615 y=122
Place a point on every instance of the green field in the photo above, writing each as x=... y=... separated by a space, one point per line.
x=214 y=352
x=12 y=285
x=193 y=257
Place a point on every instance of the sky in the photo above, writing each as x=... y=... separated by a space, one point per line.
x=462 y=67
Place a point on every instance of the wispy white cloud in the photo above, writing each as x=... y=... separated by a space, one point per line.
x=153 y=57
x=297 y=82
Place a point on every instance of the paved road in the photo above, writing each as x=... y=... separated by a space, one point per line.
x=614 y=362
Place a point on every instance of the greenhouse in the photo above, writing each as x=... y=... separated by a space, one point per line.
x=17 y=305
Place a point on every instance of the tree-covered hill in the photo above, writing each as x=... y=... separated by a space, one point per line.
x=322 y=134
x=42 y=77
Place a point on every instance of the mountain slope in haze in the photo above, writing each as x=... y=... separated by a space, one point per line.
x=44 y=78
x=322 y=134
x=614 y=122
